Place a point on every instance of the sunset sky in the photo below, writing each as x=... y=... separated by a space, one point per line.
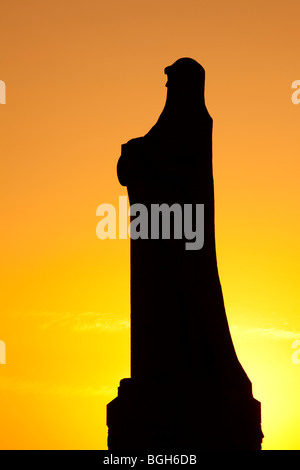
x=82 y=78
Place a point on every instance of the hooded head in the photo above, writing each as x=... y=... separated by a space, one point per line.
x=186 y=79
x=184 y=112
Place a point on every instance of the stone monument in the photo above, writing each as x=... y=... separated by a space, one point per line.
x=188 y=390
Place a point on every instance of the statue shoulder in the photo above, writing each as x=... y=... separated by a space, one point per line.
x=130 y=159
x=132 y=145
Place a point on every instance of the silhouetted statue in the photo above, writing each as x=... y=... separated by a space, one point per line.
x=187 y=388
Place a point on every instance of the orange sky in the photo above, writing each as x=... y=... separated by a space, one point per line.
x=83 y=77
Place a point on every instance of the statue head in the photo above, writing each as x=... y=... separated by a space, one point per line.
x=185 y=72
x=185 y=84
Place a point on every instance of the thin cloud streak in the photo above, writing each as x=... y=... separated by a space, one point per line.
x=110 y=322
x=271 y=332
x=31 y=386
x=85 y=321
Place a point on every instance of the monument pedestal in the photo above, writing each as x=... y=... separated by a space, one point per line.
x=181 y=417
